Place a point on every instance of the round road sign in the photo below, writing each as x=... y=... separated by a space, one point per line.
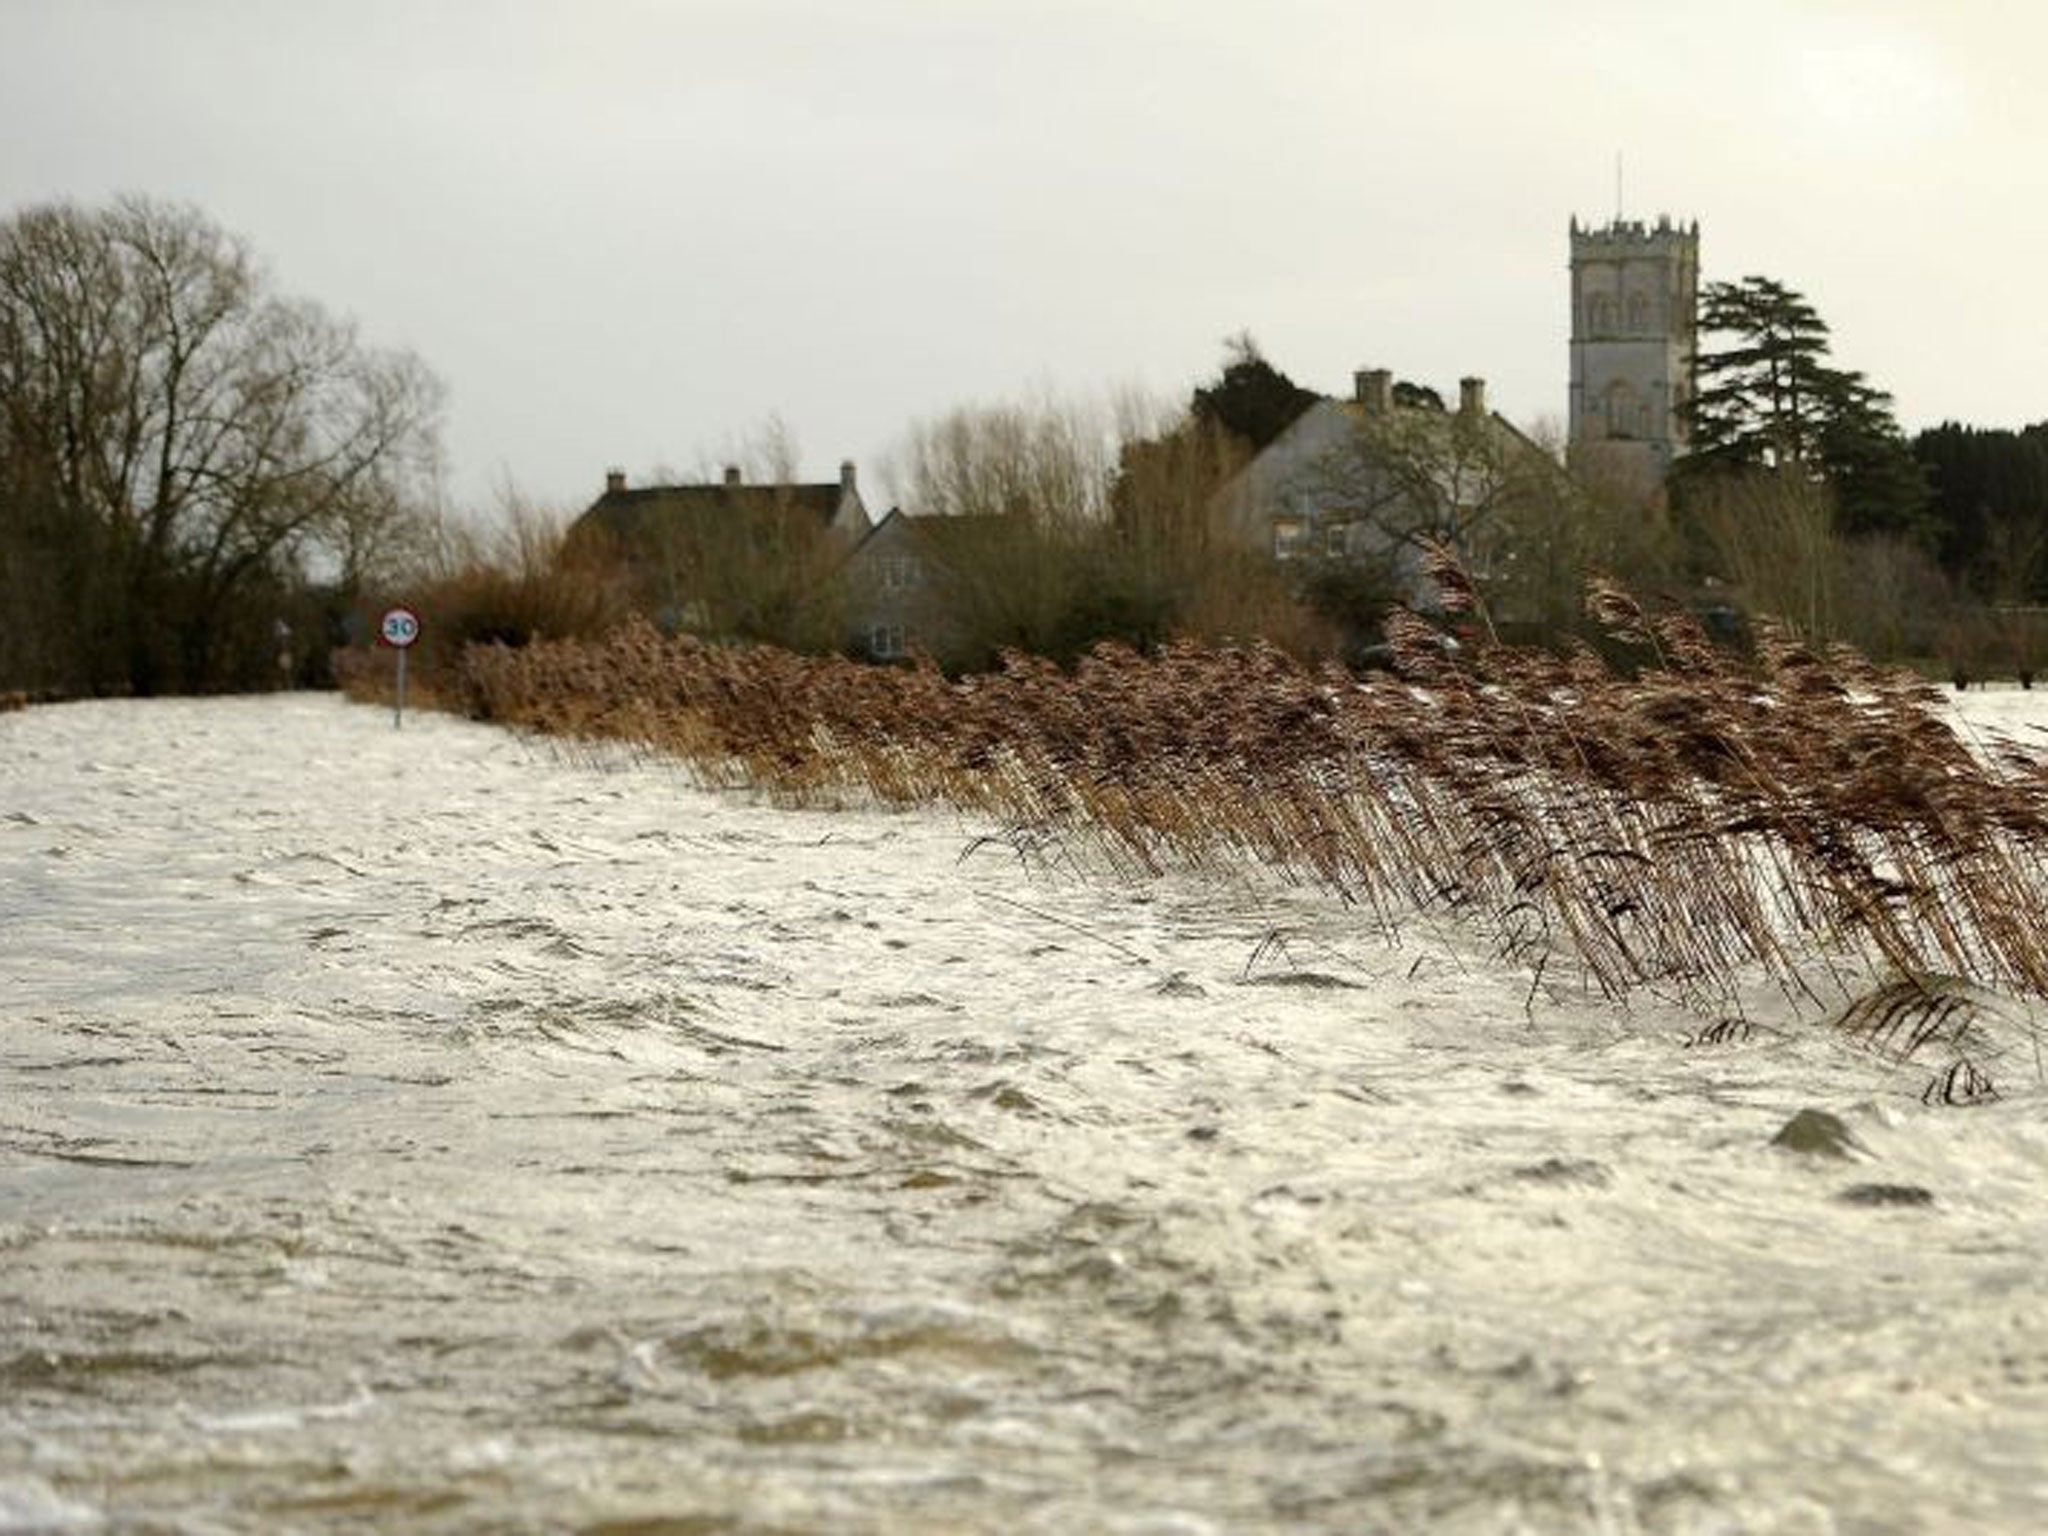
x=399 y=627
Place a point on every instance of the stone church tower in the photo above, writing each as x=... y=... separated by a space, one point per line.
x=1635 y=301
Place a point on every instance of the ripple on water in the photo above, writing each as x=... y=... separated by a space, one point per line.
x=29 y=1506
x=582 y=1138
x=785 y=1340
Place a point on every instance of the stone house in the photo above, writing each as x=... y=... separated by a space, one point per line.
x=728 y=557
x=904 y=584
x=1361 y=482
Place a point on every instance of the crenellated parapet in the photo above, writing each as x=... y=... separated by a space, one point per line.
x=1634 y=236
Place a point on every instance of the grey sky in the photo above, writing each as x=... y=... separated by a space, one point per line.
x=625 y=231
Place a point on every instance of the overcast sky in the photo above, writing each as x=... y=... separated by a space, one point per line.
x=626 y=231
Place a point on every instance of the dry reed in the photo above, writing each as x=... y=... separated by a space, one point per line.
x=1688 y=827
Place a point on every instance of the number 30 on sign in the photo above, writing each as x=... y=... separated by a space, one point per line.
x=400 y=627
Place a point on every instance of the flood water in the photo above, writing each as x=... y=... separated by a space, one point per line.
x=429 y=1131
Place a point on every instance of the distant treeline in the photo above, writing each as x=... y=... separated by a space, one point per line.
x=205 y=484
x=1988 y=506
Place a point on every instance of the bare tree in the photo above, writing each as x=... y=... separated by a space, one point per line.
x=1050 y=525
x=1892 y=599
x=1771 y=533
x=1044 y=462
x=1359 y=492
x=1563 y=523
x=191 y=438
x=1023 y=492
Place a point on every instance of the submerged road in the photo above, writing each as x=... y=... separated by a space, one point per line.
x=431 y=1130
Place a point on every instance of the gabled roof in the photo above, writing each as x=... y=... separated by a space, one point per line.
x=625 y=513
x=1413 y=422
x=931 y=535
x=895 y=520
x=1429 y=417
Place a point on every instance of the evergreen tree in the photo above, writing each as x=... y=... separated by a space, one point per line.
x=1760 y=399
x=1879 y=486
x=1771 y=399
x=1253 y=400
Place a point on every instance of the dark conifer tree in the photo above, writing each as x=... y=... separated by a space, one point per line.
x=1989 y=506
x=1253 y=400
x=1770 y=398
x=1417 y=396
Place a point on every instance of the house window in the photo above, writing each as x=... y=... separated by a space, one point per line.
x=898 y=574
x=887 y=642
x=1337 y=540
x=1290 y=537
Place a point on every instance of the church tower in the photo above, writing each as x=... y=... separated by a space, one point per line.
x=1635 y=301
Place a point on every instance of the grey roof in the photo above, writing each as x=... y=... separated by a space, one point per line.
x=624 y=514
x=935 y=533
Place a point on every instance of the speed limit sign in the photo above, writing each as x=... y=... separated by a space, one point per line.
x=399 y=627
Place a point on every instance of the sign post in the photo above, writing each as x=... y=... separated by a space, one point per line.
x=398 y=629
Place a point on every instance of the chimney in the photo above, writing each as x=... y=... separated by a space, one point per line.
x=614 y=481
x=1373 y=388
x=732 y=474
x=1472 y=396
x=846 y=479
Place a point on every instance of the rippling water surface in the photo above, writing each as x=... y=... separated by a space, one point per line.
x=426 y=1131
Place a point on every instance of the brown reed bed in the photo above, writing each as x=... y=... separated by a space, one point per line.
x=1687 y=827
